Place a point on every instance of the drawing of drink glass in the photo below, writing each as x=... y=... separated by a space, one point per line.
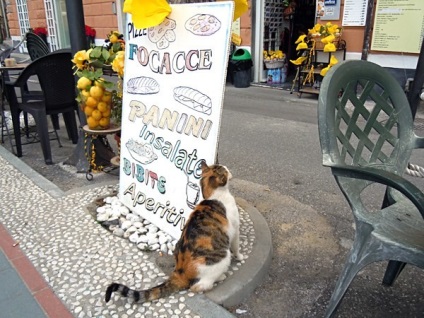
x=192 y=191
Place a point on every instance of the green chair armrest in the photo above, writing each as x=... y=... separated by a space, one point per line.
x=384 y=177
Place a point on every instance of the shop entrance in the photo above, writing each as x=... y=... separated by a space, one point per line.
x=283 y=22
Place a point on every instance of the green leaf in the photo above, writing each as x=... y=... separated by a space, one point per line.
x=105 y=55
x=98 y=72
x=96 y=52
x=108 y=84
x=116 y=47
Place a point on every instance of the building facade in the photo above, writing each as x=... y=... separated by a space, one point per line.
x=266 y=26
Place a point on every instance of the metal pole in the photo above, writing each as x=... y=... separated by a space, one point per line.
x=417 y=84
x=367 y=32
x=75 y=14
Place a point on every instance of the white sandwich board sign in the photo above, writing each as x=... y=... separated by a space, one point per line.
x=173 y=94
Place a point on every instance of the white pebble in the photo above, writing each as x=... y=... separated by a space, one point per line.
x=125 y=225
x=101 y=209
x=118 y=232
x=102 y=217
x=153 y=241
x=133 y=237
x=138 y=224
x=155 y=247
x=142 y=246
x=162 y=239
x=143 y=239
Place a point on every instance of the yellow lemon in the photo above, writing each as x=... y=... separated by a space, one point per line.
x=96 y=92
x=92 y=123
x=99 y=83
x=85 y=93
x=88 y=110
x=113 y=38
x=107 y=97
x=102 y=106
x=83 y=83
x=91 y=102
x=96 y=114
x=106 y=113
x=104 y=122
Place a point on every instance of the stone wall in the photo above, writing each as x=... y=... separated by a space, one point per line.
x=99 y=15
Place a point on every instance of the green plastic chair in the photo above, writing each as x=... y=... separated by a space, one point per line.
x=366 y=135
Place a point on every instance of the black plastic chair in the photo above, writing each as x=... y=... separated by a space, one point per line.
x=54 y=72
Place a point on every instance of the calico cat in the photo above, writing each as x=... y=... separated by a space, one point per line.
x=203 y=252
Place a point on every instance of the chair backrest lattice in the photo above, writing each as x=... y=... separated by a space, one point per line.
x=366 y=124
x=364 y=118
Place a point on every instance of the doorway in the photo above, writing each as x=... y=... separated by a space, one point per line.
x=279 y=30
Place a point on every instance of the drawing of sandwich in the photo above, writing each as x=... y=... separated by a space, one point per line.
x=193 y=99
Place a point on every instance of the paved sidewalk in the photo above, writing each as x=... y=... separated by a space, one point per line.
x=59 y=260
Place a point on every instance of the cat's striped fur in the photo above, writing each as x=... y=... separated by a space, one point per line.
x=202 y=253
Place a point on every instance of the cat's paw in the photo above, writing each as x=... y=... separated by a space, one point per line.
x=239 y=256
x=201 y=287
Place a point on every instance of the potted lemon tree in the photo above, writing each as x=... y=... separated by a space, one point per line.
x=97 y=97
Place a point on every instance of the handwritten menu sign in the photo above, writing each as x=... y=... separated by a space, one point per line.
x=172 y=104
x=398 y=26
x=354 y=12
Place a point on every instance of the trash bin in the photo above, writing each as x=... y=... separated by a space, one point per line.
x=240 y=68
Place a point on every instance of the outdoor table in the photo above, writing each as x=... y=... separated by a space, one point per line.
x=4 y=70
x=89 y=136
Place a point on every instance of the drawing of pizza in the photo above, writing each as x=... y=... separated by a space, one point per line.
x=163 y=33
x=203 y=24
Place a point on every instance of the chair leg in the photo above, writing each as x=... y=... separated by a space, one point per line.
x=71 y=126
x=26 y=124
x=394 y=268
x=17 y=131
x=58 y=138
x=55 y=121
x=43 y=134
x=356 y=261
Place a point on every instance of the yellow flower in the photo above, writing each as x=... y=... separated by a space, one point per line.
x=80 y=58
x=333 y=29
x=147 y=13
x=333 y=60
x=324 y=70
x=301 y=46
x=328 y=39
x=317 y=28
x=300 y=39
x=118 y=63
x=329 y=47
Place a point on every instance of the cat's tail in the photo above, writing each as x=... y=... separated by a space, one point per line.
x=163 y=290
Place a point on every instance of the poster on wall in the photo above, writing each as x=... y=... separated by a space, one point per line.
x=172 y=104
x=398 y=26
x=328 y=9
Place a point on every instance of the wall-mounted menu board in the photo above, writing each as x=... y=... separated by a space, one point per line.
x=398 y=26
x=354 y=12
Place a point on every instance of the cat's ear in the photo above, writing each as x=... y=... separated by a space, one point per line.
x=223 y=180
x=204 y=166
